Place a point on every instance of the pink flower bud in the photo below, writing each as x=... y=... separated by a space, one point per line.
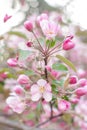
x=6 y=18
x=29 y=26
x=29 y=44
x=63 y=105
x=48 y=68
x=74 y=100
x=73 y=80
x=54 y=73
x=23 y=79
x=27 y=87
x=68 y=44
x=18 y=90
x=81 y=91
x=82 y=82
x=12 y=62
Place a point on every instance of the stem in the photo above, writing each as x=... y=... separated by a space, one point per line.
x=51 y=118
x=45 y=70
x=38 y=42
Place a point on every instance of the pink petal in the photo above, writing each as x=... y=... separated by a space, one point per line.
x=48 y=87
x=36 y=97
x=34 y=89
x=47 y=96
x=41 y=82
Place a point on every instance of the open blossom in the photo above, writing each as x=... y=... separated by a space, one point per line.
x=43 y=16
x=63 y=105
x=49 y=28
x=16 y=103
x=41 y=89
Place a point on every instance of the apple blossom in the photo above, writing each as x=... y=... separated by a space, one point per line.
x=28 y=25
x=16 y=104
x=63 y=105
x=12 y=62
x=41 y=89
x=73 y=79
x=43 y=16
x=81 y=91
x=49 y=28
x=68 y=43
x=23 y=79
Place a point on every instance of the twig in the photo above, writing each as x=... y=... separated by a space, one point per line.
x=51 y=118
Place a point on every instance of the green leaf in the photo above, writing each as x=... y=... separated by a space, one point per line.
x=58 y=83
x=19 y=34
x=60 y=67
x=51 y=43
x=31 y=116
x=29 y=72
x=23 y=54
x=67 y=62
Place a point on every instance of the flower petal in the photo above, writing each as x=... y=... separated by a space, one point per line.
x=36 y=97
x=47 y=96
x=34 y=89
x=41 y=82
x=48 y=87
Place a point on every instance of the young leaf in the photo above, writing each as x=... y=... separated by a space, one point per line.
x=23 y=54
x=19 y=34
x=59 y=67
x=67 y=62
x=51 y=43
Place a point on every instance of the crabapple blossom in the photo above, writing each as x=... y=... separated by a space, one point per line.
x=81 y=91
x=41 y=89
x=29 y=44
x=16 y=103
x=6 y=18
x=73 y=79
x=23 y=79
x=82 y=82
x=18 y=90
x=49 y=28
x=43 y=16
x=68 y=43
x=28 y=25
x=12 y=62
x=63 y=105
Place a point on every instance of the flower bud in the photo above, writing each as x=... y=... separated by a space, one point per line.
x=18 y=90
x=29 y=26
x=73 y=80
x=82 y=82
x=81 y=91
x=23 y=79
x=6 y=18
x=63 y=105
x=29 y=44
x=12 y=62
x=54 y=73
x=48 y=68
x=68 y=44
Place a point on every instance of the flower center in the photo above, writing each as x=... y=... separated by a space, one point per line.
x=42 y=89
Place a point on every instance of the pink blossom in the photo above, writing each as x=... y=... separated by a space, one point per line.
x=16 y=104
x=29 y=44
x=63 y=105
x=43 y=16
x=6 y=18
x=23 y=79
x=49 y=28
x=68 y=43
x=41 y=89
x=81 y=91
x=18 y=90
x=82 y=82
x=55 y=73
x=28 y=25
x=12 y=62
x=73 y=80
